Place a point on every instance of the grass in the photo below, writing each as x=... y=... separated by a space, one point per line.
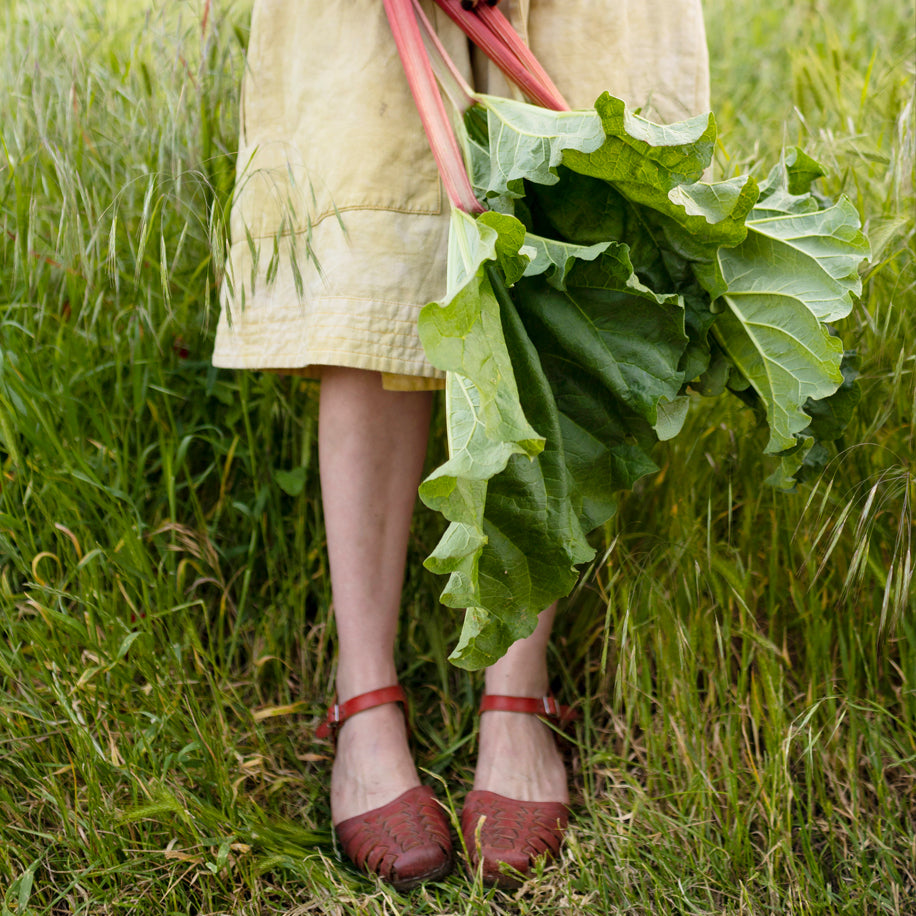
x=745 y=659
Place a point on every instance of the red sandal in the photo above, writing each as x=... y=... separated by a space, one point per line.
x=499 y=831
x=405 y=842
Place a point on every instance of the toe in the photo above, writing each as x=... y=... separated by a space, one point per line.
x=422 y=863
x=495 y=862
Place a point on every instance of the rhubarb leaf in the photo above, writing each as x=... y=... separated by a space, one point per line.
x=464 y=334
x=637 y=151
x=793 y=272
x=486 y=424
x=527 y=143
x=605 y=279
x=829 y=418
x=533 y=537
x=594 y=353
x=627 y=338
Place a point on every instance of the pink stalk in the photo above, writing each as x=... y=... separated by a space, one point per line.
x=422 y=81
x=501 y=26
x=447 y=74
x=493 y=34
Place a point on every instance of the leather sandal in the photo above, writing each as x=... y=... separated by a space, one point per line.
x=499 y=831
x=405 y=842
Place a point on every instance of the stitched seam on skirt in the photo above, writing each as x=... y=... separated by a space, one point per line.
x=347 y=208
x=326 y=357
x=316 y=312
x=404 y=345
x=298 y=361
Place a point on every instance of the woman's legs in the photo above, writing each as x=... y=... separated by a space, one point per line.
x=517 y=755
x=371 y=444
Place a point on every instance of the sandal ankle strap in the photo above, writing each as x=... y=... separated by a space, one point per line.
x=340 y=712
x=546 y=707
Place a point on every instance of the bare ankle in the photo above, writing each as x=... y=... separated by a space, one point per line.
x=353 y=680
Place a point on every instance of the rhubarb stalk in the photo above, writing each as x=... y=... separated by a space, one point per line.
x=450 y=78
x=489 y=29
x=422 y=81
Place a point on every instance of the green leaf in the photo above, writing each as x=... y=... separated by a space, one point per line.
x=526 y=142
x=671 y=417
x=785 y=355
x=785 y=477
x=652 y=166
x=127 y=642
x=458 y=489
x=463 y=334
x=23 y=888
x=555 y=259
x=698 y=218
x=792 y=273
x=817 y=253
x=519 y=517
x=831 y=416
x=533 y=539
x=512 y=545
x=605 y=279
x=485 y=421
x=788 y=186
x=636 y=151
x=291 y=482
x=605 y=444
x=622 y=334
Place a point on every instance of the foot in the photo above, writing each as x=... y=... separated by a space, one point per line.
x=517 y=812
x=518 y=757
x=373 y=764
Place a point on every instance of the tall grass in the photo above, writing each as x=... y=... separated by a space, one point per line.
x=745 y=658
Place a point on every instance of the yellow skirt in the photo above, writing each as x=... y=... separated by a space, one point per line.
x=339 y=224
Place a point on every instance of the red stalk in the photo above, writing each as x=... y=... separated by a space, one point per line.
x=501 y=26
x=489 y=29
x=422 y=81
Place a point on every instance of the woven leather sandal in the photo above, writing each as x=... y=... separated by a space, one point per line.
x=500 y=831
x=405 y=842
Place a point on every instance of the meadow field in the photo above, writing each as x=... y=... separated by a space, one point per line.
x=744 y=658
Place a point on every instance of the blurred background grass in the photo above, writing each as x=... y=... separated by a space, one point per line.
x=744 y=658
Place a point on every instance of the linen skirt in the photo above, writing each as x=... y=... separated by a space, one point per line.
x=339 y=224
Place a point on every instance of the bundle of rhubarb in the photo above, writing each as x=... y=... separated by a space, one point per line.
x=596 y=285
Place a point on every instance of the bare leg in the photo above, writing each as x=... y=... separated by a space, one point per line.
x=371 y=444
x=518 y=756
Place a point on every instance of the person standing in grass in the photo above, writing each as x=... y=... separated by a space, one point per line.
x=339 y=231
